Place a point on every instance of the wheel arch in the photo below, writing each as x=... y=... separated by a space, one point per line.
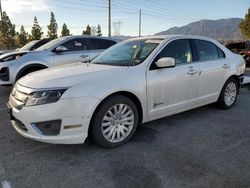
x=30 y=66
x=128 y=94
x=234 y=76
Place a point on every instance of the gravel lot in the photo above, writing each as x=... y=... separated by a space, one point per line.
x=206 y=147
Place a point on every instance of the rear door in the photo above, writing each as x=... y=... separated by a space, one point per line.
x=213 y=68
x=95 y=46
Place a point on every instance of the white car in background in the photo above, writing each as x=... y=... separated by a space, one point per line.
x=133 y=82
x=63 y=50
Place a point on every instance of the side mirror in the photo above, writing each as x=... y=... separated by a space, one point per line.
x=165 y=62
x=61 y=49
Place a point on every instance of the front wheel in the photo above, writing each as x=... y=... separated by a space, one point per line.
x=114 y=122
x=228 y=94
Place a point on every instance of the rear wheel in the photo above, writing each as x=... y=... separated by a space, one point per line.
x=228 y=94
x=114 y=122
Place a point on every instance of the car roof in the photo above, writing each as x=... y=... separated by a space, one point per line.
x=91 y=36
x=169 y=37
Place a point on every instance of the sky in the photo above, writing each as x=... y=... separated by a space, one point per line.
x=157 y=15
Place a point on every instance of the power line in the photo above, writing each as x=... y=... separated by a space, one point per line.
x=86 y=4
x=156 y=9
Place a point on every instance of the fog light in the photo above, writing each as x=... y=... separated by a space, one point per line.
x=48 y=128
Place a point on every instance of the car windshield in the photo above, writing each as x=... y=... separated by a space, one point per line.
x=128 y=53
x=51 y=44
x=28 y=46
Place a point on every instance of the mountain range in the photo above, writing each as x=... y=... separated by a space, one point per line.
x=222 y=29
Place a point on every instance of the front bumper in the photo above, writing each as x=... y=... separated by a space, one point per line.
x=75 y=115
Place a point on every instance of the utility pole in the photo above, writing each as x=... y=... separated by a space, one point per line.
x=140 y=23
x=109 y=29
x=202 y=27
x=1 y=12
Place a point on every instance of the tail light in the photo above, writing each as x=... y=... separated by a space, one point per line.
x=248 y=52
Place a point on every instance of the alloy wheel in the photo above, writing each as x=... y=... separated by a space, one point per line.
x=117 y=123
x=230 y=93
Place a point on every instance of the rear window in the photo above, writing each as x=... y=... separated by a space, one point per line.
x=99 y=44
x=208 y=51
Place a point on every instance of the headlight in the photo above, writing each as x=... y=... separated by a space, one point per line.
x=44 y=97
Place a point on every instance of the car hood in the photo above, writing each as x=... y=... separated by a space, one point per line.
x=67 y=75
x=12 y=53
x=5 y=51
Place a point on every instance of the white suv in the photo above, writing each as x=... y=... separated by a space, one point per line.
x=135 y=81
x=60 y=51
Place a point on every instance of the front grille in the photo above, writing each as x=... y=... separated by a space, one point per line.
x=20 y=125
x=18 y=99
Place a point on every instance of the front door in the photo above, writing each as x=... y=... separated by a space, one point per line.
x=171 y=90
x=76 y=52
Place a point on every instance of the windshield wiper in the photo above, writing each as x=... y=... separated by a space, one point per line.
x=98 y=63
x=115 y=64
x=126 y=64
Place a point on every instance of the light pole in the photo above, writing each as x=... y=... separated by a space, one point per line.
x=109 y=29
x=140 y=23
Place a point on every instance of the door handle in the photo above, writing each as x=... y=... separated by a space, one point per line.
x=226 y=66
x=192 y=72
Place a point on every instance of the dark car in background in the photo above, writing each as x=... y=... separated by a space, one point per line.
x=32 y=45
x=242 y=48
x=5 y=51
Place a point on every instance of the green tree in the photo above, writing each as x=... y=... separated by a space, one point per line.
x=36 y=31
x=99 y=30
x=245 y=25
x=22 y=36
x=87 y=31
x=65 y=30
x=52 y=27
x=7 y=32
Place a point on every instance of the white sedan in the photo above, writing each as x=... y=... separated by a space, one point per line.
x=133 y=82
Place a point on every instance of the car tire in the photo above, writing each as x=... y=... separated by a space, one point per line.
x=229 y=94
x=114 y=122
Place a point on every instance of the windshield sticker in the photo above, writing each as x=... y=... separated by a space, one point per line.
x=153 y=41
x=78 y=43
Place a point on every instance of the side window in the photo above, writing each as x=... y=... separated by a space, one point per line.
x=221 y=54
x=180 y=50
x=207 y=50
x=75 y=45
x=38 y=44
x=99 y=44
x=104 y=44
